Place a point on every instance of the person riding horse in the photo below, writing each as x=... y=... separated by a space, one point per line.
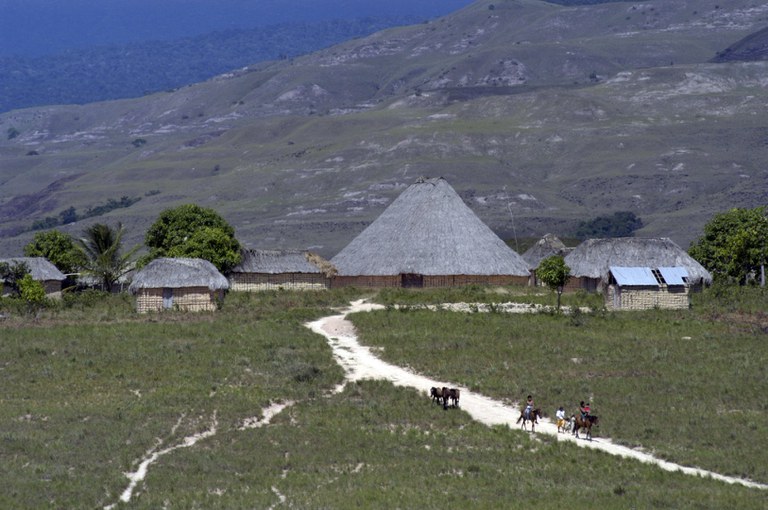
x=528 y=408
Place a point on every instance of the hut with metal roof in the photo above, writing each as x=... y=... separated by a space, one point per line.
x=643 y=288
x=590 y=262
x=41 y=270
x=280 y=269
x=178 y=283
x=428 y=237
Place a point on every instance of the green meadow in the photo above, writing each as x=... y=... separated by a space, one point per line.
x=90 y=388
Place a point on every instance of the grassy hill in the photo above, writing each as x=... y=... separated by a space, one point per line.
x=540 y=115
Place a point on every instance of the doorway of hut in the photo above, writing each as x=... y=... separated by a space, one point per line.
x=411 y=280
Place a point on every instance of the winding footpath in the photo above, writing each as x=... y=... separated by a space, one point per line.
x=360 y=363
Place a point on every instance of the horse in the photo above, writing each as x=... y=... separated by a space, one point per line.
x=436 y=394
x=578 y=423
x=453 y=394
x=533 y=418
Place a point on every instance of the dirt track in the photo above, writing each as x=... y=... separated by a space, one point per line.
x=360 y=363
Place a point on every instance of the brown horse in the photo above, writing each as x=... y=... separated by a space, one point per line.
x=533 y=417
x=586 y=424
x=436 y=394
x=453 y=395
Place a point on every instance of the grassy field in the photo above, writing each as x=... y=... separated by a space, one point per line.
x=90 y=387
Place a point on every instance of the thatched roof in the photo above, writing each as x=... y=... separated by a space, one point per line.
x=178 y=273
x=593 y=257
x=282 y=261
x=547 y=246
x=40 y=268
x=428 y=230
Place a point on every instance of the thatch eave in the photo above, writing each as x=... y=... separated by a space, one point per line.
x=593 y=258
x=40 y=268
x=428 y=230
x=178 y=273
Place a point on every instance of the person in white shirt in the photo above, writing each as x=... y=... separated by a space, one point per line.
x=560 y=415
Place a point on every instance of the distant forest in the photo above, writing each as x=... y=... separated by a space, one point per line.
x=137 y=69
x=133 y=70
x=583 y=2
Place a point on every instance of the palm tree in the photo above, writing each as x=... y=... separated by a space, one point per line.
x=102 y=247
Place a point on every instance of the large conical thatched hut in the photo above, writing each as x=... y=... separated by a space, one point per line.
x=280 y=269
x=428 y=237
x=41 y=270
x=590 y=262
x=178 y=283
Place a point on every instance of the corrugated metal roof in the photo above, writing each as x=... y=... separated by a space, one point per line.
x=674 y=275
x=634 y=276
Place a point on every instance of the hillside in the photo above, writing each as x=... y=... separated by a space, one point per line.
x=132 y=70
x=539 y=115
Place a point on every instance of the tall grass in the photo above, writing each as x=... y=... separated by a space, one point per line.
x=681 y=383
x=89 y=387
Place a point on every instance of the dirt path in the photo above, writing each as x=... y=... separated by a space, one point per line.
x=360 y=363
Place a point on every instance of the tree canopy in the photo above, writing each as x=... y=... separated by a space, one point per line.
x=11 y=274
x=619 y=224
x=102 y=248
x=59 y=248
x=193 y=231
x=555 y=274
x=734 y=246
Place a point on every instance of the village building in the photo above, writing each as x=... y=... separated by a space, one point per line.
x=178 y=283
x=644 y=288
x=41 y=270
x=280 y=269
x=548 y=246
x=590 y=262
x=428 y=237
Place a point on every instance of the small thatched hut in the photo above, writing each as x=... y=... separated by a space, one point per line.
x=280 y=269
x=590 y=262
x=643 y=288
x=428 y=237
x=43 y=271
x=182 y=283
x=547 y=246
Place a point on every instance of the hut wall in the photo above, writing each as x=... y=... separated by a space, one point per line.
x=645 y=298
x=252 y=282
x=52 y=288
x=366 y=281
x=429 y=281
x=459 y=280
x=583 y=283
x=192 y=299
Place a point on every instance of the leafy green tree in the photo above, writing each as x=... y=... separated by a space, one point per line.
x=102 y=247
x=59 y=248
x=734 y=246
x=12 y=273
x=32 y=292
x=212 y=244
x=555 y=273
x=193 y=231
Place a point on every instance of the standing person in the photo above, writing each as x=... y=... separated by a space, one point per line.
x=560 y=415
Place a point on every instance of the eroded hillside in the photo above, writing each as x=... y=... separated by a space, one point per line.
x=539 y=115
